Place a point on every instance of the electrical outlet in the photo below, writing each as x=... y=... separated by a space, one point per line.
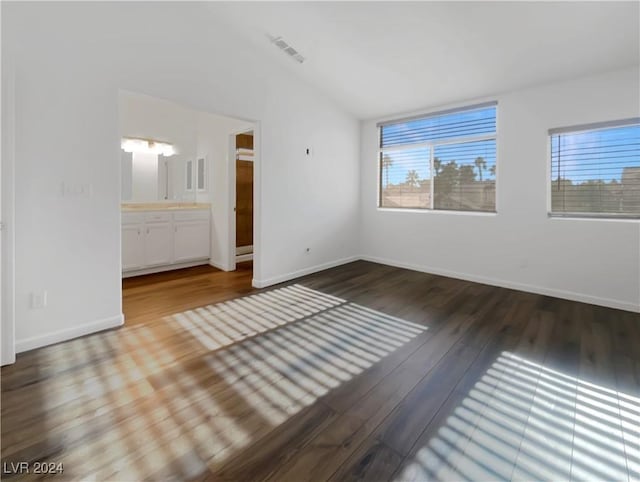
x=308 y=152
x=38 y=300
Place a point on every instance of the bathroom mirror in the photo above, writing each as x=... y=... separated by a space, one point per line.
x=152 y=178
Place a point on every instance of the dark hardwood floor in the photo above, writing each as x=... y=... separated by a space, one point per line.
x=361 y=372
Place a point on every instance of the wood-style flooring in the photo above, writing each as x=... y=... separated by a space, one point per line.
x=361 y=372
x=153 y=296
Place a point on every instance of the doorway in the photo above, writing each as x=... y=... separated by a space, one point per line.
x=178 y=192
x=244 y=197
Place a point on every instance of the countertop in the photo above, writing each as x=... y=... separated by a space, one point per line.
x=162 y=206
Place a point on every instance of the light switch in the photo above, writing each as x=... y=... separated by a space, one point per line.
x=78 y=190
x=38 y=300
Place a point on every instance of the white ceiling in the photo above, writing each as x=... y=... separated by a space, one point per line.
x=380 y=58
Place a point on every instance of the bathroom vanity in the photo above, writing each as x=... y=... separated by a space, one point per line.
x=164 y=236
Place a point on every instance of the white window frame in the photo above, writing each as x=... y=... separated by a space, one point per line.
x=574 y=130
x=431 y=145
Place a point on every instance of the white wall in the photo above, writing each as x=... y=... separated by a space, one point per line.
x=589 y=260
x=150 y=117
x=7 y=235
x=70 y=63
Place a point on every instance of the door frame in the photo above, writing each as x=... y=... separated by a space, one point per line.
x=257 y=172
x=7 y=206
x=228 y=261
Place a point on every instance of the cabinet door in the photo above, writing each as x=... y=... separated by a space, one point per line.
x=191 y=241
x=158 y=246
x=132 y=247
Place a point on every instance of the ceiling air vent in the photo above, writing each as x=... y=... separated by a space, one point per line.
x=287 y=49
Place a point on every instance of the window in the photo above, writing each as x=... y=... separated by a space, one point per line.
x=595 y=170
x=444 y=161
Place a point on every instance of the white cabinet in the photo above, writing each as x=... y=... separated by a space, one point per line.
x=132 y=247
x=190 y=240
x=162 y=240
x=158 y=244
x=191 y=235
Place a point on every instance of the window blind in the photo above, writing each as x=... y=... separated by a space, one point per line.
x=472 y=121
x=595 y=170
x=444 y=161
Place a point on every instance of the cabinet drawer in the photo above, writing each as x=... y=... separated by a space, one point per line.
x=194 y=215
x=157 y=217
x=132 y=218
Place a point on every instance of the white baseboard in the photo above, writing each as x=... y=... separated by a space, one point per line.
x=68 y=333
x=220 y=266
x=160 y=269
x=244 y=257
x=541 y=290
x=115 y=321
x=301 y=272
x=7 y=357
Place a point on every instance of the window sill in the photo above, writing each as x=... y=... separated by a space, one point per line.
x=438 y=211
x=579 y=217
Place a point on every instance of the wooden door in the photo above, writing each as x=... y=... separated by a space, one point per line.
x=244 y=203
x=244 y=194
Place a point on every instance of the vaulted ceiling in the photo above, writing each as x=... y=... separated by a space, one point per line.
x=380 y=58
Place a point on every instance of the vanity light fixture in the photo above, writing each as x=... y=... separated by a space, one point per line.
x=148 y=146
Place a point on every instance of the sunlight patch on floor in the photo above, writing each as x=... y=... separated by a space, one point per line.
x=524 y=421
x=255 y=362
x=320 y=342
x=156 y=400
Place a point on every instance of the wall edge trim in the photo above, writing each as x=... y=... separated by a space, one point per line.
x=51 y=338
